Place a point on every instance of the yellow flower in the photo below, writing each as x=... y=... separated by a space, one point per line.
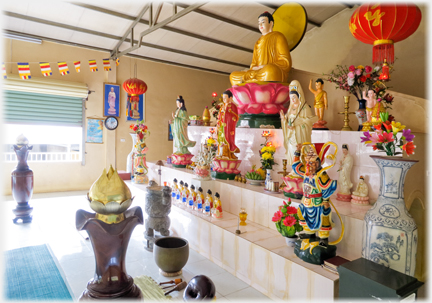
x=264 y=149
x=267 y=156
x=360 y=67
x=397 y=127
x=272 y=149
x=210 y=141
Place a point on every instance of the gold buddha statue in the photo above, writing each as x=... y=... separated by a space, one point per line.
x=271 y=60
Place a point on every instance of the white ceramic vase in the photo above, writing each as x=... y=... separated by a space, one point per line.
x=390 y=233
x=290 y=241
x=129 y=161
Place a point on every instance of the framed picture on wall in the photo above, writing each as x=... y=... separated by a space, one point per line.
x=135 y=108
x=95 y=130
x=170 y=135
x=111 y=100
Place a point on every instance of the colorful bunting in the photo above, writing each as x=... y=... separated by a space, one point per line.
x=93 y=66
x=106 y=65
x=117 y=60
x=4 y=71
x=24 y=70
x=63 y=68
x=45 y=69
x=77 y=66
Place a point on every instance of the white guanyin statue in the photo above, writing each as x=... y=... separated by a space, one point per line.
x=344 y=181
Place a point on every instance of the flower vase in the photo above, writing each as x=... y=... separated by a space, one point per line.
x=268 y=177
x=390 y=233
x=361 y=113
x=290 y=241
x=130 y=156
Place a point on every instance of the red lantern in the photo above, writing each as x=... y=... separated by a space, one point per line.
x=134 y=87
x=384 y=24
x=385 y=75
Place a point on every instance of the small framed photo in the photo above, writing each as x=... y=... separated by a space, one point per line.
x=111 y=100
x=170 y=135
x=95 y=130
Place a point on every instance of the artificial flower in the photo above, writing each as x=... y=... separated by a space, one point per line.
x=385 y=137
x=267 y=156
x=409 y=148
x=350 y=81
x=289 y=221
x=397 y=127
x=406 y=134
x=358 y=72
x=363 y=78
x=277 y=216
x=291 y=210
x=352 y=68
x=388 y=125
x=360 y=67
x=384 y=116
x=368 y=69
x=366 y=138
x=351 y=75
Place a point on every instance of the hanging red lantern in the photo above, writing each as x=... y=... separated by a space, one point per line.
x=134 y=87
x=383 y=25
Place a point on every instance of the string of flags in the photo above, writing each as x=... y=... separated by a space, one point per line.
x=45 y=67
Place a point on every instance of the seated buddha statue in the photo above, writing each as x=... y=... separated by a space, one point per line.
x=271 y=60
x=361 y=193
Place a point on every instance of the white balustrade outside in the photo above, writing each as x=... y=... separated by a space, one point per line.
x=46 y=157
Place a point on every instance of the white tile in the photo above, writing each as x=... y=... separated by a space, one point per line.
x=229 y=252
x=260 y=271
x=235 y=200
x=227 y=284
x=194 y=256
x=216 y=246
x=249 y=294
x=261 y=214
x=244 y=263
x=204 y=267
x=322 y=288
x=204 y=238
x=299 y=288
x=248 y=203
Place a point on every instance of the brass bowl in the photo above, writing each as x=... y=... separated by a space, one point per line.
x=171 y=255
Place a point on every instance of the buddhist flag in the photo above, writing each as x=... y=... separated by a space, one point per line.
x=24 y=70
x=45 y=69
x=4 y=71
x=63 y=68
x=106 y=65
x=117 y=60
x=93 y=66
x=77 y=66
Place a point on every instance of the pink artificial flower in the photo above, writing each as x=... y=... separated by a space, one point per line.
x=368 y=69
x=277 y=216
x=289 y=221
x=358 y=72
x=352 y=68
x=291 y=210
x=351 y=75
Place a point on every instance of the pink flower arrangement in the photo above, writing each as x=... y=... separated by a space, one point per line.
x=357 y=79
x=386 y=137
x=286 y=220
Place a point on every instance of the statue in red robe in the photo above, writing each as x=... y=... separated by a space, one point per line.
x=226 y=127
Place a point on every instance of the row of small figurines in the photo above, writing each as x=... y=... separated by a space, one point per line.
x=182 y=197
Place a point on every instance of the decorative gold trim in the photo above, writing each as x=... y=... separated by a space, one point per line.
x=110 y=219
x=382 y=41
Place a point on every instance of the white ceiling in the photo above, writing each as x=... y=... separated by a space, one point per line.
x=101 y=25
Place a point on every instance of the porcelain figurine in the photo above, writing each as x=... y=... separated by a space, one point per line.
x=179 y=193
x=361 y=193
x=320 y=103
x=217 y=207
x=199 y=201
x=174 y=191
x=182 y=156
x=297 y=122
x=185 y=195
x=371 y=101
x=226 y=162
x=344 y=182
x=209 y=198
x=314 y=212
x=271 y=59
x=192 y=197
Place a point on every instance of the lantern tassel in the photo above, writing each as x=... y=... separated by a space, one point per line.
x=381 y=52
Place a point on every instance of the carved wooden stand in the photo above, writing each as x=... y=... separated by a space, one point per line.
x=110 y=243
x=22 y=185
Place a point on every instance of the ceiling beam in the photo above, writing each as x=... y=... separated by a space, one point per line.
x=108 y=51
x=109 y=36
x=223 y=19
x=187 y=10
x=275 y=7
x=166 y=27
x=131 y=27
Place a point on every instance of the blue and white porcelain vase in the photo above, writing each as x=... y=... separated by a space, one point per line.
x=390 y=233
x=268 y=177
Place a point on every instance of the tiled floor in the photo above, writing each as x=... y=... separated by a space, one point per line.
x=54 y=224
